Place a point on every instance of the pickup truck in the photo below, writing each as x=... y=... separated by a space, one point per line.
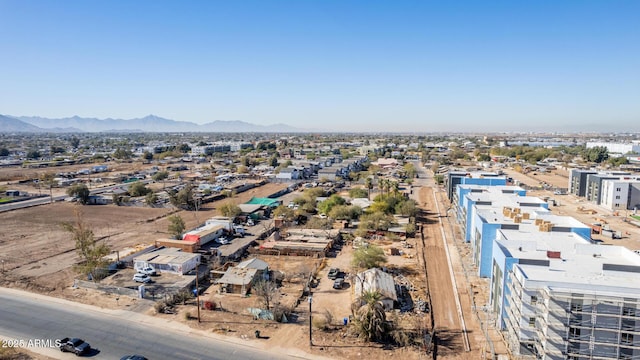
x=74 y=345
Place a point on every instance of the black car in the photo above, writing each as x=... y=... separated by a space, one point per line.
x=133 y=357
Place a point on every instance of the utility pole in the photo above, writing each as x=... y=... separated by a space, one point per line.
x=310 y=325
x=198 y=289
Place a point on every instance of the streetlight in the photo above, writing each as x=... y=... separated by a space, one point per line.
x=310 y=326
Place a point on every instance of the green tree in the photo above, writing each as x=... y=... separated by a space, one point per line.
x=230 y=210
x=370 y=319
x=597 y=154
x=285 y=212
x=56 y=149
x=333 y=200
x=122 y=154
x=90 y=250
x=138 y=188
x=355 y=193
x=345 y=212
x=74 y=142
x=183 y=199
x=4 y=152
x=151 y=198
x=184 y=148
x=273 y=161
x=117 y=199
x=176 y=226
x=367 y=257
x=33 y=154
x=410 y=170
x=147 y=156
x=375 y=221
x=80 y=191
x=160 y=176
x=439 y=179
x=617 y=161
x=407 y=208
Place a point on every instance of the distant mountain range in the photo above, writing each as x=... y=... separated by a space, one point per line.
x=150 y=123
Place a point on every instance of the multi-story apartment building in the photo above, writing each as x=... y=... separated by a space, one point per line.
x=554 y=293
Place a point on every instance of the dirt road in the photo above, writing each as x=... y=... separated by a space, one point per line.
x=457 y=330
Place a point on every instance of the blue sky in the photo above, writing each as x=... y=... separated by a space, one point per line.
x=333 y=65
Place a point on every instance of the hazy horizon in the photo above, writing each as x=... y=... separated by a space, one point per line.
x=332 y=65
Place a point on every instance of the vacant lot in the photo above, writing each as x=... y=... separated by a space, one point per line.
x=37 y=253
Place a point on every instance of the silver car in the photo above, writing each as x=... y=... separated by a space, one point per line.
x=142 y=278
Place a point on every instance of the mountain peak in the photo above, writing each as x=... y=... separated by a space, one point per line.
x=149 y=123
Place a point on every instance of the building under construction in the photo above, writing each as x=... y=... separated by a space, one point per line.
x=579 y=302
x=553 y=292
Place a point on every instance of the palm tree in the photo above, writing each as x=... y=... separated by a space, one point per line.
x=395 y=187
x=368 y=183
x=386 y=185
x=370 y=317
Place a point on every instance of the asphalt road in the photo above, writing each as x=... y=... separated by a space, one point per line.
x=28 y=317
x=46 y=199
x=28 y=203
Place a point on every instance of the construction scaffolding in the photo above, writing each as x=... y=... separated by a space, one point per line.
x=569 y=324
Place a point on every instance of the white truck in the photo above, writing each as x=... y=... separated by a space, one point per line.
x=145 y=269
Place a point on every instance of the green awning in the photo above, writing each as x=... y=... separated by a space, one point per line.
x=263 y=201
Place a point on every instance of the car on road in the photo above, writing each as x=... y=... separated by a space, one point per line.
x=142 y=278
x=133 y=357
x=338 y=283
x=333 y=273
x=74 y=345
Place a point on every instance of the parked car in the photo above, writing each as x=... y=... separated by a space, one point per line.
x=333 y=273
x=142 y=278
x=222 y=240
x=148 y=270
x=338 y=283
x=74 y=345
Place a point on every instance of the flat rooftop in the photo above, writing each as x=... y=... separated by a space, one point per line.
x=496 y=215
x=166 y=256
x=567 y=261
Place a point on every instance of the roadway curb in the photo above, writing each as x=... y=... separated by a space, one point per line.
x=126 y=315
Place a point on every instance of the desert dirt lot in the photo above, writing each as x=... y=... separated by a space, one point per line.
x=37 y=253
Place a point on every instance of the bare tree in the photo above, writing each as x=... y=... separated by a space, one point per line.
x=267 y=292
x=48 y=179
